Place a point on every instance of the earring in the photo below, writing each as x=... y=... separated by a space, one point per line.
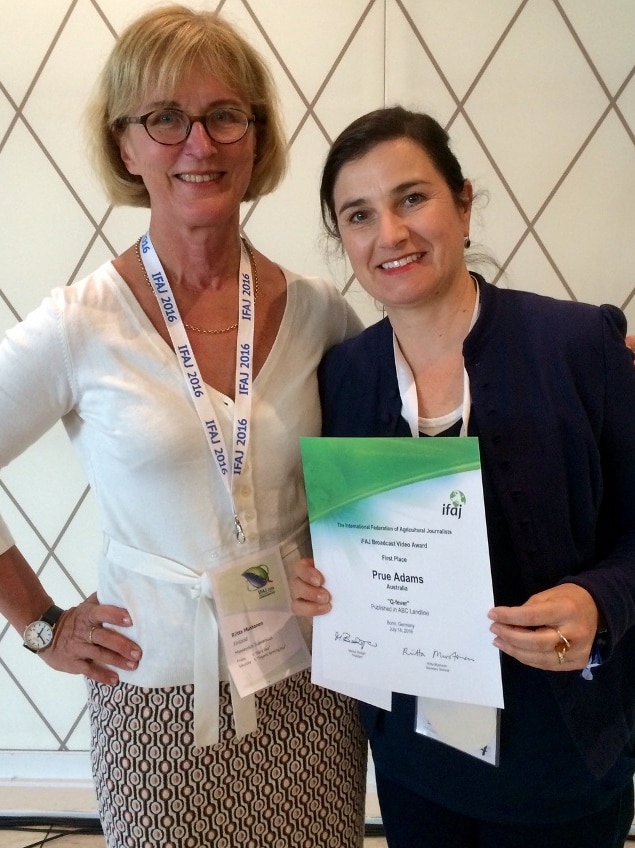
x=466 y=242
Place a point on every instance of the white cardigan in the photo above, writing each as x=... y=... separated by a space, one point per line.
x=90 y=356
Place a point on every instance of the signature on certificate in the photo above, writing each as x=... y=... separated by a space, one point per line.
x=453 y=656
x=353 y=640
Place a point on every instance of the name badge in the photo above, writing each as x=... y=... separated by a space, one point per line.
x=260 y=635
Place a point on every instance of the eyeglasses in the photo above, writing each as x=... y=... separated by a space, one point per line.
x=172 y=126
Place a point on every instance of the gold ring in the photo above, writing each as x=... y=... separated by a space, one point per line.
x=90 y=633
x=562 y=647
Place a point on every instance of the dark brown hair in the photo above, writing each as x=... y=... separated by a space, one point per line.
x=385 y=125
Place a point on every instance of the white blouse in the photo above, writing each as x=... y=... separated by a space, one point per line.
x=90 y=356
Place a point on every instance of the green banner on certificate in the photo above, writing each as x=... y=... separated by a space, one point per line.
x=341 y=475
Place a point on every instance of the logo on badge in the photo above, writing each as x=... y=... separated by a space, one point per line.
x=257 y=578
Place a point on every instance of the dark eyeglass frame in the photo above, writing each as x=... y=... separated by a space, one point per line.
x=191 y=120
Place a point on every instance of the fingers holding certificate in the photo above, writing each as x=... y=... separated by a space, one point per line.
x=308 y=595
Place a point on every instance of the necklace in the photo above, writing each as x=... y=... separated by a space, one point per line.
x=254 y=270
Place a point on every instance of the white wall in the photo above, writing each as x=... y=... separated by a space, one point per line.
x=539 y=98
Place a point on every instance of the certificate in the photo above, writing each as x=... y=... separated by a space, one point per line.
x=398 y=530
x=261 y=637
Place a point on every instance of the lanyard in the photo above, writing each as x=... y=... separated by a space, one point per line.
x=408 y=388
x=229 y=467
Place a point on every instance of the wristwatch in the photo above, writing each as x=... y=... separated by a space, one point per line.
x=38 y=635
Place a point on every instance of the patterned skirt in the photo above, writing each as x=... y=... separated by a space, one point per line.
x=298 y=781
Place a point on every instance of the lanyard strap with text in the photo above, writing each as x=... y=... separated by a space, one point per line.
x=228 y=467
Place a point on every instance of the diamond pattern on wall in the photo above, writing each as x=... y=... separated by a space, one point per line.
x=528 y=116
x=539 y=99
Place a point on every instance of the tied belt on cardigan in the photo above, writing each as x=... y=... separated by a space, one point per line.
x=207 y=649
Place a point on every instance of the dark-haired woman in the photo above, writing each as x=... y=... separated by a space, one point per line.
x=548 y=388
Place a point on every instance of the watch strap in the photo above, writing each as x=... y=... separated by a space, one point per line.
x=52 y=615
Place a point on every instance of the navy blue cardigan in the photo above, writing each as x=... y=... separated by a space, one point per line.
x=553 y=406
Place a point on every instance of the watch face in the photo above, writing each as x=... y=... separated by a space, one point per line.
x=38 y=635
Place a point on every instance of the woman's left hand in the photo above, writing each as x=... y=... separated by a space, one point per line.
x=530 y=633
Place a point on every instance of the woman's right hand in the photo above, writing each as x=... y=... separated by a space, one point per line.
x=308 y=595
x=83 y=645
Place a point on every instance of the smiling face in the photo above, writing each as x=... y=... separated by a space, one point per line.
x=198 y=182
x=401 y=226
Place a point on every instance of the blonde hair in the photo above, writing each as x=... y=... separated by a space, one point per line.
x=154 y=53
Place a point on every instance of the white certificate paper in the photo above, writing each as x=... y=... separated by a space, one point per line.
x=261 y=637
x=398 y=530
x=470 y=728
